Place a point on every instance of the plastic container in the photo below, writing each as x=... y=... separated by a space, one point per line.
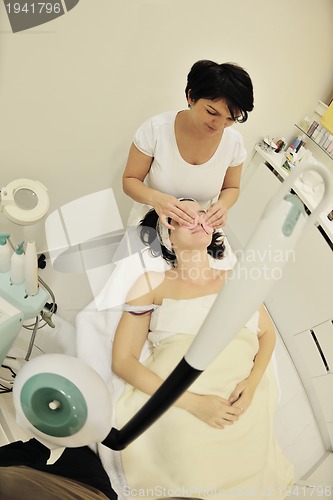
x=323 y=140
x=281 y=144
x=4 y=253
x=316 y=132
x=328 y=142
x=318 y=138
x=297 y=143
x=312 y=128
x=17 y=265
x=31 y=269
x=290 y=153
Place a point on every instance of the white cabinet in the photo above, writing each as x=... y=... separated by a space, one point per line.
x=302 y=298
x=301 y=302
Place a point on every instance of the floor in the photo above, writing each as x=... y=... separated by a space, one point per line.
x=63 y=337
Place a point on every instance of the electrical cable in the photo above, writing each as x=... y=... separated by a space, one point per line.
x=36 y=326
x=3 y=388
x=52 y=309
x=32 y=339
x=10 y=369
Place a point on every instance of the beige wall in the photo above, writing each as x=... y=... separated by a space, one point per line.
x=74 y=90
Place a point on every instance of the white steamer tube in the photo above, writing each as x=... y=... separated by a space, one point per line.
x=280 y=227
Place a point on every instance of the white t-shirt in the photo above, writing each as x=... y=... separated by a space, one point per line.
x=171 y=174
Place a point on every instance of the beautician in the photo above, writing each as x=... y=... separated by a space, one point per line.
x=194 y=153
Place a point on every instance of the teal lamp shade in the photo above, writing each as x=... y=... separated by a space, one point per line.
x=62 y=401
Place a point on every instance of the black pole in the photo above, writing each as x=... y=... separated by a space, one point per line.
x=173 y=387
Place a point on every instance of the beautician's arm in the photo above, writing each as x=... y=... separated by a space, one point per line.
x=245 y=389
x=217 y=213
x=136 y=170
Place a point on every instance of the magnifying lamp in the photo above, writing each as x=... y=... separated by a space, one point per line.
x=62 y=401
x=24 y=201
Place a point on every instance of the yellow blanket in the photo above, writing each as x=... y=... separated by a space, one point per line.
x=181 y=455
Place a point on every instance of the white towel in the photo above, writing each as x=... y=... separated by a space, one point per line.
x=96 y=326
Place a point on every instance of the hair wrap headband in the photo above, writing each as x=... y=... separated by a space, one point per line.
x=163 y=235
x=163 y=231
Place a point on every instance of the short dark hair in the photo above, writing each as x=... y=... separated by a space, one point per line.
x=148 y=235
x=229 y=81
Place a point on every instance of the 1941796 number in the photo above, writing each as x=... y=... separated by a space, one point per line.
x=307 y=491
x=34 y=8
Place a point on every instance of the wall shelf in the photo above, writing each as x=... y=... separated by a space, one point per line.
x=320 y=147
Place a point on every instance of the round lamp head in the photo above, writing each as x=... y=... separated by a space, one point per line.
x=62 y=401
x=24 y=201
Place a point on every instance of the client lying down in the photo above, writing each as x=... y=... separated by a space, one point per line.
x=218 y=439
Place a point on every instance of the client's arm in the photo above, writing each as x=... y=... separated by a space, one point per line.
x=130 y=336
x=131 y=333
x=244 y=391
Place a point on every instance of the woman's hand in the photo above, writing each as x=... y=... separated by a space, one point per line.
x=167 y=206
x=215 y=411
x=241 y=397
x=216 y=215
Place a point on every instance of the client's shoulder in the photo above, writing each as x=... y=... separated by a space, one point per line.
x=144 y=289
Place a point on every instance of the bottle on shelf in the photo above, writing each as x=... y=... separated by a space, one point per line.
x=328 y=142
x=281 y=144
x=290 y=152
x=312 y=128
x=289 y=161
x=329 y=149
x=4 y=253
x=316 y=133
x=17 y=265
x=319 y=137
x=298 y=142
x=323 y=140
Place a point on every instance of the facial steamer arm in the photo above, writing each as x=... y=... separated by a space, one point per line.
x=280 y=227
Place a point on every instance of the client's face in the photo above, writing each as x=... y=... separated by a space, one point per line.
x=197 y=236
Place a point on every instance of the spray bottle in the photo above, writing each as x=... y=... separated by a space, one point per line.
x=4 y=253
x=31 y=269
x=17 y=273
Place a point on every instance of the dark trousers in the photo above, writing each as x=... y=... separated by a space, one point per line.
x=79 y=464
